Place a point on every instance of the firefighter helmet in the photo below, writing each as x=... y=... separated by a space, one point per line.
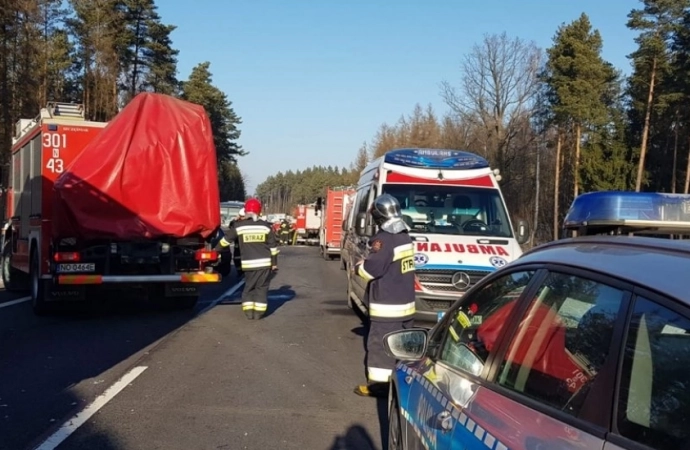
x=384 y=208
x=252 y=206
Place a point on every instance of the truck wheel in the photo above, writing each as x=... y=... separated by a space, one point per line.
x=13 y=279
x=38 y=288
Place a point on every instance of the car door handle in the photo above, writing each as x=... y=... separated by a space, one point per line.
x=444 y=421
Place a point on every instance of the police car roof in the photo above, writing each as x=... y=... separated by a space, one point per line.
x=662 y=265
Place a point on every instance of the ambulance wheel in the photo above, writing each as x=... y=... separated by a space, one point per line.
x=395 y=441
x=38 y=288
x=14 y=280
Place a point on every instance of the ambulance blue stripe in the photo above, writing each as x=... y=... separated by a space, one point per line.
x=482 y=438
x=455 y=267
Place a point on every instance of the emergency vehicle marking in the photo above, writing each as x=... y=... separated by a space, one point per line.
x=407 y=265
x=481 y=438
x=484 y=181
x=435 y=247
x=254 y=237
x=420 y=259
x=497 y=261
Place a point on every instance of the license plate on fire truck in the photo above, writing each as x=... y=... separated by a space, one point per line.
x=76 y=267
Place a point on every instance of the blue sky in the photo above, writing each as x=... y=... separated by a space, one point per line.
x=313 y=79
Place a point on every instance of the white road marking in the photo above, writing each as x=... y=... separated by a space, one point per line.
x=81 y=417
x=15 y=302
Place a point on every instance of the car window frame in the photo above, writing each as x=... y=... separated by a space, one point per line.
x=443 y=326
x=675 y=305
x=596 y=426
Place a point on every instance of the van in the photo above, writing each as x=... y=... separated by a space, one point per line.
x=458 y=221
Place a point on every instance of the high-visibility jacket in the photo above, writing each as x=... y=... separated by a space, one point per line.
x=389 y=268
x=257 y=243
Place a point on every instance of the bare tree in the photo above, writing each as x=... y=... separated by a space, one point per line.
x=499 y=81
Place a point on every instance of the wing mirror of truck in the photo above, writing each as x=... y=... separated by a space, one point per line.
x=343 y=226
x=319 y=205
x=522 y=232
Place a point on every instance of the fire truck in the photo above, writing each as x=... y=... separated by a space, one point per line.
x=332 y=216
x=41 y=150
x=61 y=168
x=307 y=224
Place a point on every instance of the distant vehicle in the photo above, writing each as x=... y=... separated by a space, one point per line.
x=458 y=220
x=582 y=343
x=229 y=210
x=333 y=214
x=307 y=224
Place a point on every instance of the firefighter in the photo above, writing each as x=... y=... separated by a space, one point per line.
x=236 y=253
x=390 y=295
x=285 y=231
x=259 y=257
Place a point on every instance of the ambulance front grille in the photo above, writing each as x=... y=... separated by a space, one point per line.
x=440 y=280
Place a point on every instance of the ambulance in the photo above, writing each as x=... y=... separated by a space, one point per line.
x=458 y=220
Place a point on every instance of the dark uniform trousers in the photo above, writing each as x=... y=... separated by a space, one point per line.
x=258 y=253
x=255 y=295
x=390 y=298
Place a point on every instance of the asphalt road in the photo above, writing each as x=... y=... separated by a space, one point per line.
x=125 y=375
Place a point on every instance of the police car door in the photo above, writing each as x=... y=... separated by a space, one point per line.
x=445 y=384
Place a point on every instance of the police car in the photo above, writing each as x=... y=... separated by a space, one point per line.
x=582 y=343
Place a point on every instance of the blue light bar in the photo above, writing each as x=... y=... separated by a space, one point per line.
x=432 y=158
x=630 y=209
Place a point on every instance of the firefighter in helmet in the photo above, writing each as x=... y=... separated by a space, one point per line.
x=285 y=231
x=258 y=257
x=390 y=295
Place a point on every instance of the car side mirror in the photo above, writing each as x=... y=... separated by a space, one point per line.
x=407 y=345
x=360 y=225
x=522 y=232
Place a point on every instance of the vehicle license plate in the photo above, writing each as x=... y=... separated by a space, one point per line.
x=76 y=267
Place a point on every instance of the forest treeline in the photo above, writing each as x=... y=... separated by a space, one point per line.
x=560 y=121
x=101 y=53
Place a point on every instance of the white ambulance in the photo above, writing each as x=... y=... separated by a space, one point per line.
x=458 y=219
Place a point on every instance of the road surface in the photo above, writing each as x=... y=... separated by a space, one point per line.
x=124 y=375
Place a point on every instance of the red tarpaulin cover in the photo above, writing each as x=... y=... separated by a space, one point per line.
x=150 y=173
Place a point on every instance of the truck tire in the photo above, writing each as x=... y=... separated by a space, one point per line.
x=39 y=292
x=13 y=279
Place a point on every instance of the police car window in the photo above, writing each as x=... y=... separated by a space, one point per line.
x=477 y=323
x=654 y=403
x=562 y=342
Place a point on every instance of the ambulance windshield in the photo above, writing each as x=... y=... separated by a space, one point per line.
x=456 y=210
